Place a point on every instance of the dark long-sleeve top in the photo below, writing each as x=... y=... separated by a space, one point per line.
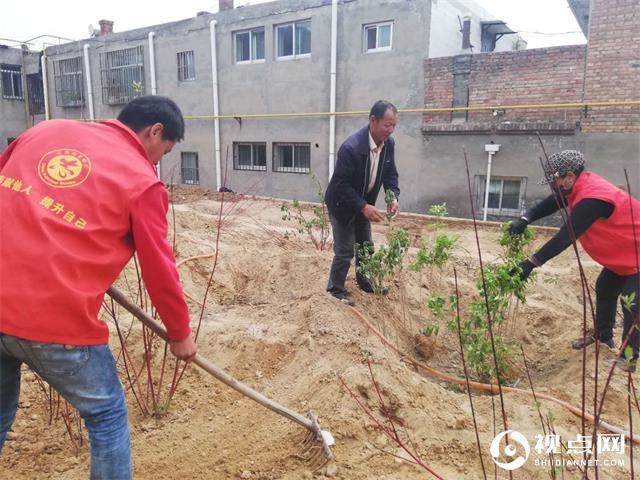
x=583 y=215
x=347 y=193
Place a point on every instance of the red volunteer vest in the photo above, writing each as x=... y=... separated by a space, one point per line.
x=65 y=230
x=610 y=242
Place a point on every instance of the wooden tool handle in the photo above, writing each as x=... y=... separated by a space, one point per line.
x=212 y=369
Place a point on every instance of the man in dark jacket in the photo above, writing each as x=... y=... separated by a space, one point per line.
x=365 y=162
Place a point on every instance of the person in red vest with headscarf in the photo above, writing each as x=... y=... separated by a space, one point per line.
x=76 y=200
x=606 y=221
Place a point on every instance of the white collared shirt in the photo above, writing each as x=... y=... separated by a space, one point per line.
x=374 y=155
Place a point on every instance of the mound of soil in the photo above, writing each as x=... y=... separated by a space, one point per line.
x=269 y=323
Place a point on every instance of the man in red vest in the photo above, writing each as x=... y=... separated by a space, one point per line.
x=76 y=200
x=606 y=221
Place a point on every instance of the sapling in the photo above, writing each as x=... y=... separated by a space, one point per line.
x=628 y=301
x=381 y=266
x=389 y=198
x=443 y=244
x=502 y=282
x=317 y=227
x=442 y=311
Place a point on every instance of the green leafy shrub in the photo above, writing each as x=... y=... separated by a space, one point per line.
x=501 y=284
x=443 y=245
x=381 y=266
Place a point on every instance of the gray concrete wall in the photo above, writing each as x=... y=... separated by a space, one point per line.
x=441 y=175
x=274 y=86
x=364 y=78
x=431 y=166
x=13 y=116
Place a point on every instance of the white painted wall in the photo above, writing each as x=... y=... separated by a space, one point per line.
x=446 y=39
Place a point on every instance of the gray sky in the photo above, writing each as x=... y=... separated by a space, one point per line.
x=71 y=18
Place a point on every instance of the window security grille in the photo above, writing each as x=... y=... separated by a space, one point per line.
x=506 y=195
x=11 y=81
x=250 y=156
x=36 y=94
x=292 y=157
x=122 y=75
x=189 y=168
x=69 y=82
x=186 y=66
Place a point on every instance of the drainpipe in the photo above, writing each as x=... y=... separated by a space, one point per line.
x=45 y=85
x=491 y=149
x=87 y=68
x=152 y=73
x=332 y=106
x=216 y=122
x=152 y=63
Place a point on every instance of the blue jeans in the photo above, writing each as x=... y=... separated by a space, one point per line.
x=86 y=376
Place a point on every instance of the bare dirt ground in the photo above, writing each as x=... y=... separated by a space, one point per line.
x=269 y=323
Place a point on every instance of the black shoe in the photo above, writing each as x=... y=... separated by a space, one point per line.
x=367 y=288
x=581 y=343
x=344 y=298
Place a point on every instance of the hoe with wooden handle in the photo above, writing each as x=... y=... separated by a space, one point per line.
x=309 y=422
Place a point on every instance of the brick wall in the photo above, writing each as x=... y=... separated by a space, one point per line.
x=613 y=65
x=544 y=75
x=607 y=69
x=438 y=83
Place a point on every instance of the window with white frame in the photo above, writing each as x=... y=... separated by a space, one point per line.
x=249 y=45
x=378 y=37
x=189 y=168
x=11 y=81
x=250 y=156
x=293 y=40
x=506 y=195
x=292 y=157
x=186 y=66
x=122 y=75
x=68 y=82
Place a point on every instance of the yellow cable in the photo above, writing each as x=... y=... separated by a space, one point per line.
x=417 y=110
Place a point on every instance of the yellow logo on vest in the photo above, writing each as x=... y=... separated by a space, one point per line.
x=64 y=168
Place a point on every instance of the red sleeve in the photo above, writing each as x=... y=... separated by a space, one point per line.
x=158 y=265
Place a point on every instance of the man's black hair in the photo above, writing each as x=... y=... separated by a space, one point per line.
x=380 y=108
x=142 y=112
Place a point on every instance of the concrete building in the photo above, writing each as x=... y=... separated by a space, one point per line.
x=275 y=59
x=460 y=27
x=272 y=58
x=22 y=100
x=607 y=69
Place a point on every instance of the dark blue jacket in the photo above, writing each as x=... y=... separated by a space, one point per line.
x=347 y=193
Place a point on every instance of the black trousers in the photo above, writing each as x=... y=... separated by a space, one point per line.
x=609 y=287
x=347 y=234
